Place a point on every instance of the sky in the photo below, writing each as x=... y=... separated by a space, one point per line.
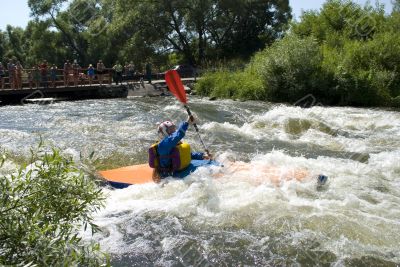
x=298 y=5
x=16 y=12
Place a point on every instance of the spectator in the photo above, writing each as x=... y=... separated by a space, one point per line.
x=148 y=72
x=18 y=77
x=76 y=70
x=36 y=76
x=11 y=73
x=53 y=76
x=43 y=73
x=131 y=71
x=2 y=75
x=67 y=72
x=118 y=69
x=126 y=73
x=100 y=71
x=30 y=79
x=90 y=73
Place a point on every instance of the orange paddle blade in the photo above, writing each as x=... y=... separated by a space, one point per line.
x=175 y=85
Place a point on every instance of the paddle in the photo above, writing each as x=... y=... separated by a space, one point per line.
x=175 y=86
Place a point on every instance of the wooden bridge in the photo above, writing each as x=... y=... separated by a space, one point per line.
x=84 y=91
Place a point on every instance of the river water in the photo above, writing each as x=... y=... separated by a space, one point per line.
x=238 y=218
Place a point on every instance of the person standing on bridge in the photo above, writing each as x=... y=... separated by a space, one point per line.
x=118 y=69
x=131 y=71
x=90 y=73
x=148 y=71
x=36 y=76
x=100 y=69
x=11 y=73
x=44 y=73
x=53 y=76
x=125 y=76
x=67 y=72
x=30 y=79
x=2 y=75
x=18 y=70
x=75 y=70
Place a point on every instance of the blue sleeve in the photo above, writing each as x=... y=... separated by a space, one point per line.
x=197 y=155
x=171 y=141
x=183 y=126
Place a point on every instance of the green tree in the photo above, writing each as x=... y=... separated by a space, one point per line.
x=44 y=43
x=292 y=68
x=61 y=20
x=340 y=18
x=16 y=42
x=3 y=44
x=396 y=5
x=137 y=30
x=197 y=28
x=82 y=27
x=343 y=54
x=239 y=28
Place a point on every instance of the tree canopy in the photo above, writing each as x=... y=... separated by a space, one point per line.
x=163 y=31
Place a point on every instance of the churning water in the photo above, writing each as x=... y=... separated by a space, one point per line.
x=239 y=218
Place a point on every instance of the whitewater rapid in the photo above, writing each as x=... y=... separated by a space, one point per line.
x=238 y=218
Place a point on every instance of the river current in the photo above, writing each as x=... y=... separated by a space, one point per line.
x=238 y=218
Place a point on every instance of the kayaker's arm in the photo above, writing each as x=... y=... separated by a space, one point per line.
x=172 y=141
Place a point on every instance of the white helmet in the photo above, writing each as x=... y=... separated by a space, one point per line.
x=164 y=127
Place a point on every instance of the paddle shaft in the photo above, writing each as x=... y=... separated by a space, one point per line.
x=175 y=86
x=197 y=131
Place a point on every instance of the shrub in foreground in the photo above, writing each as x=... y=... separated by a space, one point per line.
x=42 y=208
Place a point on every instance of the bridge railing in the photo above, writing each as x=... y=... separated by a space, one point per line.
x=31 y=79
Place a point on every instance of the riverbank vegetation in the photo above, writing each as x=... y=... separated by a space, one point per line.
x=43 y=206
x=343 y=54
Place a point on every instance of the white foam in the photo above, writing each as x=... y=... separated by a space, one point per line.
x=356 y=214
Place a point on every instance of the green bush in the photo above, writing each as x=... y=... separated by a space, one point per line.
x=250 y=86
x=244 y=85
x=343 y=54
x=340 y=18
x=292 y=69
x=396 y=102
x=360 y=48
x=366 y=71
x=43 y=206
x=205 y=85
x=359 y=88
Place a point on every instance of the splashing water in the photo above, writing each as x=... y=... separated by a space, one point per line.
x=237 y=217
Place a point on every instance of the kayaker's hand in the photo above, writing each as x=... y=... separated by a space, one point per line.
x=191 y=120
x=156 y=176
x=208 y=156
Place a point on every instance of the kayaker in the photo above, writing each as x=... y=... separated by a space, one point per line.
x=170 y=154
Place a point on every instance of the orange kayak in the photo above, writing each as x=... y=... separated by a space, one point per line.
x=141 y=174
